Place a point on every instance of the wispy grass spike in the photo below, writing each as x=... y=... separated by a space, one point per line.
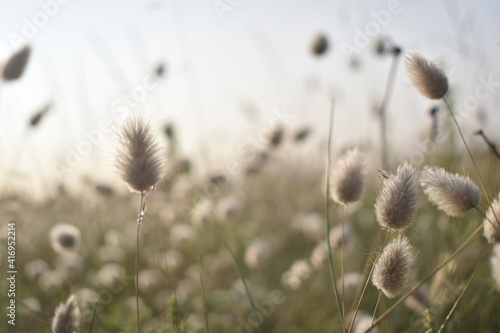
x=67 y=317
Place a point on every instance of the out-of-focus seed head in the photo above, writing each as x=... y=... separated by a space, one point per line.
x=65 y=237
x=319 y=45
x=348 y=182
x=14 y=67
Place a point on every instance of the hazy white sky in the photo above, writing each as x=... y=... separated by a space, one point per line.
x=230 y=65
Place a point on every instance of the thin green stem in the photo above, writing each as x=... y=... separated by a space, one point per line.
x=238 y=269
x=327 y=214
x=448 y=317
x=140 y=218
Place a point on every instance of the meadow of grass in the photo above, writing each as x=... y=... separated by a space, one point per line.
x=203 y=240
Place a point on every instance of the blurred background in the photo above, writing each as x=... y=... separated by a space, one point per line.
x=222 y=73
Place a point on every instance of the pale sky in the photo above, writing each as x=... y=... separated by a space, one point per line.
x=228 y=70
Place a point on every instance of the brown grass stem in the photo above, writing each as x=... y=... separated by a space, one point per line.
x=382 y=110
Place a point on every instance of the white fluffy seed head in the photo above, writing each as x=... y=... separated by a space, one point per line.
x=67 y=317
x=426 y=76
x=393 y=268
x=453 y=194
x=348 y=182
x=491 y=223
x=397 y=202
x=140 y=158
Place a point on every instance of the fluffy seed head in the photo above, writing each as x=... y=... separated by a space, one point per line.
x=393 y=268
x=347 y=183
x=453 y=194
x=397 y=203
x=67 y=317
x=426 y=76
x=14 y=67
x=491 y=224
x=140 y=159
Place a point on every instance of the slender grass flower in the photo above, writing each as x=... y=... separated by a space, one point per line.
x=397 y=202
x=393 y=268
x=453 y=194
x=67 y=317
x=140 y=159
x=426 y=76
x=347 y=183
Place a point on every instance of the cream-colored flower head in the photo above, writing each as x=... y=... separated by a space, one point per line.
x=140 y=158
x=397 y=203
x=426 y=76
x=453 y=194
x=393 y=268
x=491 y=223
x=348 y=182
x=67 y=317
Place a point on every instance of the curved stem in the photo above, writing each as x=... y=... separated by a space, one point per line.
x=366 y=284
x=448 y=317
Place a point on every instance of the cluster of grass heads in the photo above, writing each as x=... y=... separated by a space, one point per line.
x=249 y=251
